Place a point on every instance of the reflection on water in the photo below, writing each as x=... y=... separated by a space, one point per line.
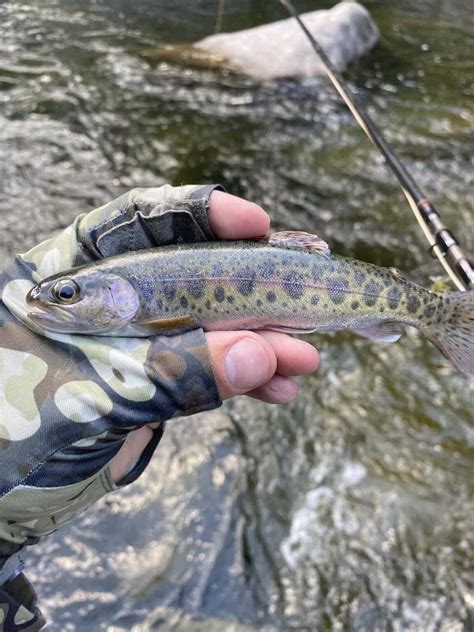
x=351 y=508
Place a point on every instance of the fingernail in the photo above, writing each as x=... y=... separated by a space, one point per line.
x=247 y=364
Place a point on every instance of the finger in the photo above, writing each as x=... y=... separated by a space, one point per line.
x=232 y=217
x=278 y=390
x=294 y=357
x=242 y=361
x=127 y=456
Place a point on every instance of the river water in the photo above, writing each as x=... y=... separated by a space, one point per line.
x=353 y=507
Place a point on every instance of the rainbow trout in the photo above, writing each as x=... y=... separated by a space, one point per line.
x=290 y=283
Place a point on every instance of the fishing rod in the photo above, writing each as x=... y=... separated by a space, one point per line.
x=442 y=242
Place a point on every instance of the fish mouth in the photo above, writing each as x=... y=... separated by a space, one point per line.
x=54 y=318
x=33 y=296
x=49 y=320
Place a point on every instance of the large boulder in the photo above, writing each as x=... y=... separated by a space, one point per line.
x=280 y=49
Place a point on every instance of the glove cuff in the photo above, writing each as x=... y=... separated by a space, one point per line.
x=146 y=218
x=180 y=367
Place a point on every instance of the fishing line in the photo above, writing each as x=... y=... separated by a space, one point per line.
x=219 y=16
x=442 y=242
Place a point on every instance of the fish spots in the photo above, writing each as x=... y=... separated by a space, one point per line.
x=195 y=285
x=259 y=302
x=207 y=304
x=183 y=301
x=355 y=305
x=168 y=287
x=429 y=311
x=314 y=299
x=413 y=303
x=317 y=273
x=359 y=276
x=329 y=264
x=371 y=293
x=393 y=297
x=230 y=299
x=217 y=270
x=219 y=294
x=271 y=297
x=245 y=282
x=146 y=286
x=293 y=284
x=267 y=270
x=337 y=288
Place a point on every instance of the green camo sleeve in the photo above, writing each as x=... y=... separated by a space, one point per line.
x=68 y=402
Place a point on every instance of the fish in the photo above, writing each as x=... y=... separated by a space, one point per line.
x=290 y=282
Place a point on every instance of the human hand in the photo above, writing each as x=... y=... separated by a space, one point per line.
x=114 y=386
x=261 y=364
x=79 y=414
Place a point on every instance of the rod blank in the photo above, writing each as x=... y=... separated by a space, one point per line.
x=442 y=242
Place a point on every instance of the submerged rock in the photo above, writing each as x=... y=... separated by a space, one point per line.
x=280 y=49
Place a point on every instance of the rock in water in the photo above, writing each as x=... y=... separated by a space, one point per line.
x=280 y=49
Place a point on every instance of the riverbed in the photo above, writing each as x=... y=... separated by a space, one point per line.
x=351 y=508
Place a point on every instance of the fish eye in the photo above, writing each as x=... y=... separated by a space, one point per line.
x=66 y=291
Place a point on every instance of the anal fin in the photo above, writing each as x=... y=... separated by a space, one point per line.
x=383 y=332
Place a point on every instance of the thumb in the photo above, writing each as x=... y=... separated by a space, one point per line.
x=242 y=361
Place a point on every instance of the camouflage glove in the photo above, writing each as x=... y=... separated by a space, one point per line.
x=77 y=412
x=67 y=403
x=18 y=609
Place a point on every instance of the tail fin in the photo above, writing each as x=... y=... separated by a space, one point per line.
x=454 y=335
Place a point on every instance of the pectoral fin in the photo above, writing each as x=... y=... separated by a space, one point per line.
x=384 y=332
x=167 y=325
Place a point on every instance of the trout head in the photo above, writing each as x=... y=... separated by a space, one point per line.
x=85 y=303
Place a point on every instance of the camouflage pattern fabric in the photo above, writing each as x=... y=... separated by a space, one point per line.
x=18 y=610
x=68 y=402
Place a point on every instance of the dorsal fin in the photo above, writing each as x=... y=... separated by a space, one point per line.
x=295 y=239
